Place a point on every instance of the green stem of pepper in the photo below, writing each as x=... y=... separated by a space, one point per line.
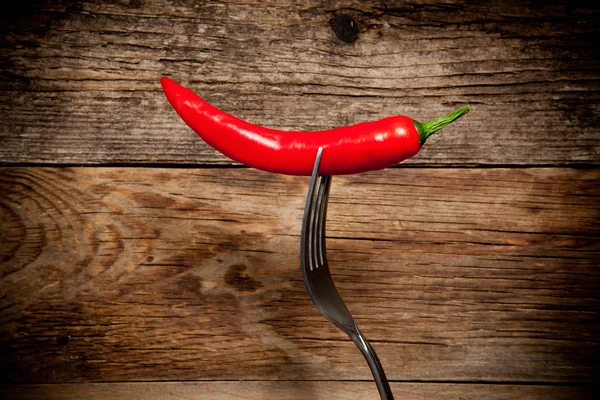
x=426 y=129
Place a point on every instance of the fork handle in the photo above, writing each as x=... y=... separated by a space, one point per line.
x=376 y=368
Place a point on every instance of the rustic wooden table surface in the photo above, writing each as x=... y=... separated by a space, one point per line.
x=138 y=263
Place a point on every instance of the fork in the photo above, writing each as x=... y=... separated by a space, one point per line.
x=317 y=277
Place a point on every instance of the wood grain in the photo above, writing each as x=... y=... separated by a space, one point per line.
x=472 y=283
x=288 y=390
x=80 y=79
x=456 y=275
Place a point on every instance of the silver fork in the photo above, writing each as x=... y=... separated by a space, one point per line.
x=317 y=277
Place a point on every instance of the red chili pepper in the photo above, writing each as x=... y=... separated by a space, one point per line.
x=347 y=150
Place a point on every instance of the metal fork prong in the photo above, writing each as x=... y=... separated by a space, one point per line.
x=321 y=219
x=307 y=256
x=316 y=228
x=315 y=237
x=314 y=224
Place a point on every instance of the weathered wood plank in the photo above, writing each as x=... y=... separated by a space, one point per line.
x=113 y=274
x=288 y=390
x=80 y=79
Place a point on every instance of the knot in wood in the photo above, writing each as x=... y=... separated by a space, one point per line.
x=345 y=28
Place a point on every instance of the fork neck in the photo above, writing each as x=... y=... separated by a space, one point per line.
x=385 y=392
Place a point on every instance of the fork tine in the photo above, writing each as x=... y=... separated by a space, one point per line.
x=321 y=220
x=316 y=239
x=313 y=238
x=307 y=253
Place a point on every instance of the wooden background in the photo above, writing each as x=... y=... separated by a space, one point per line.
x=138 y=263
